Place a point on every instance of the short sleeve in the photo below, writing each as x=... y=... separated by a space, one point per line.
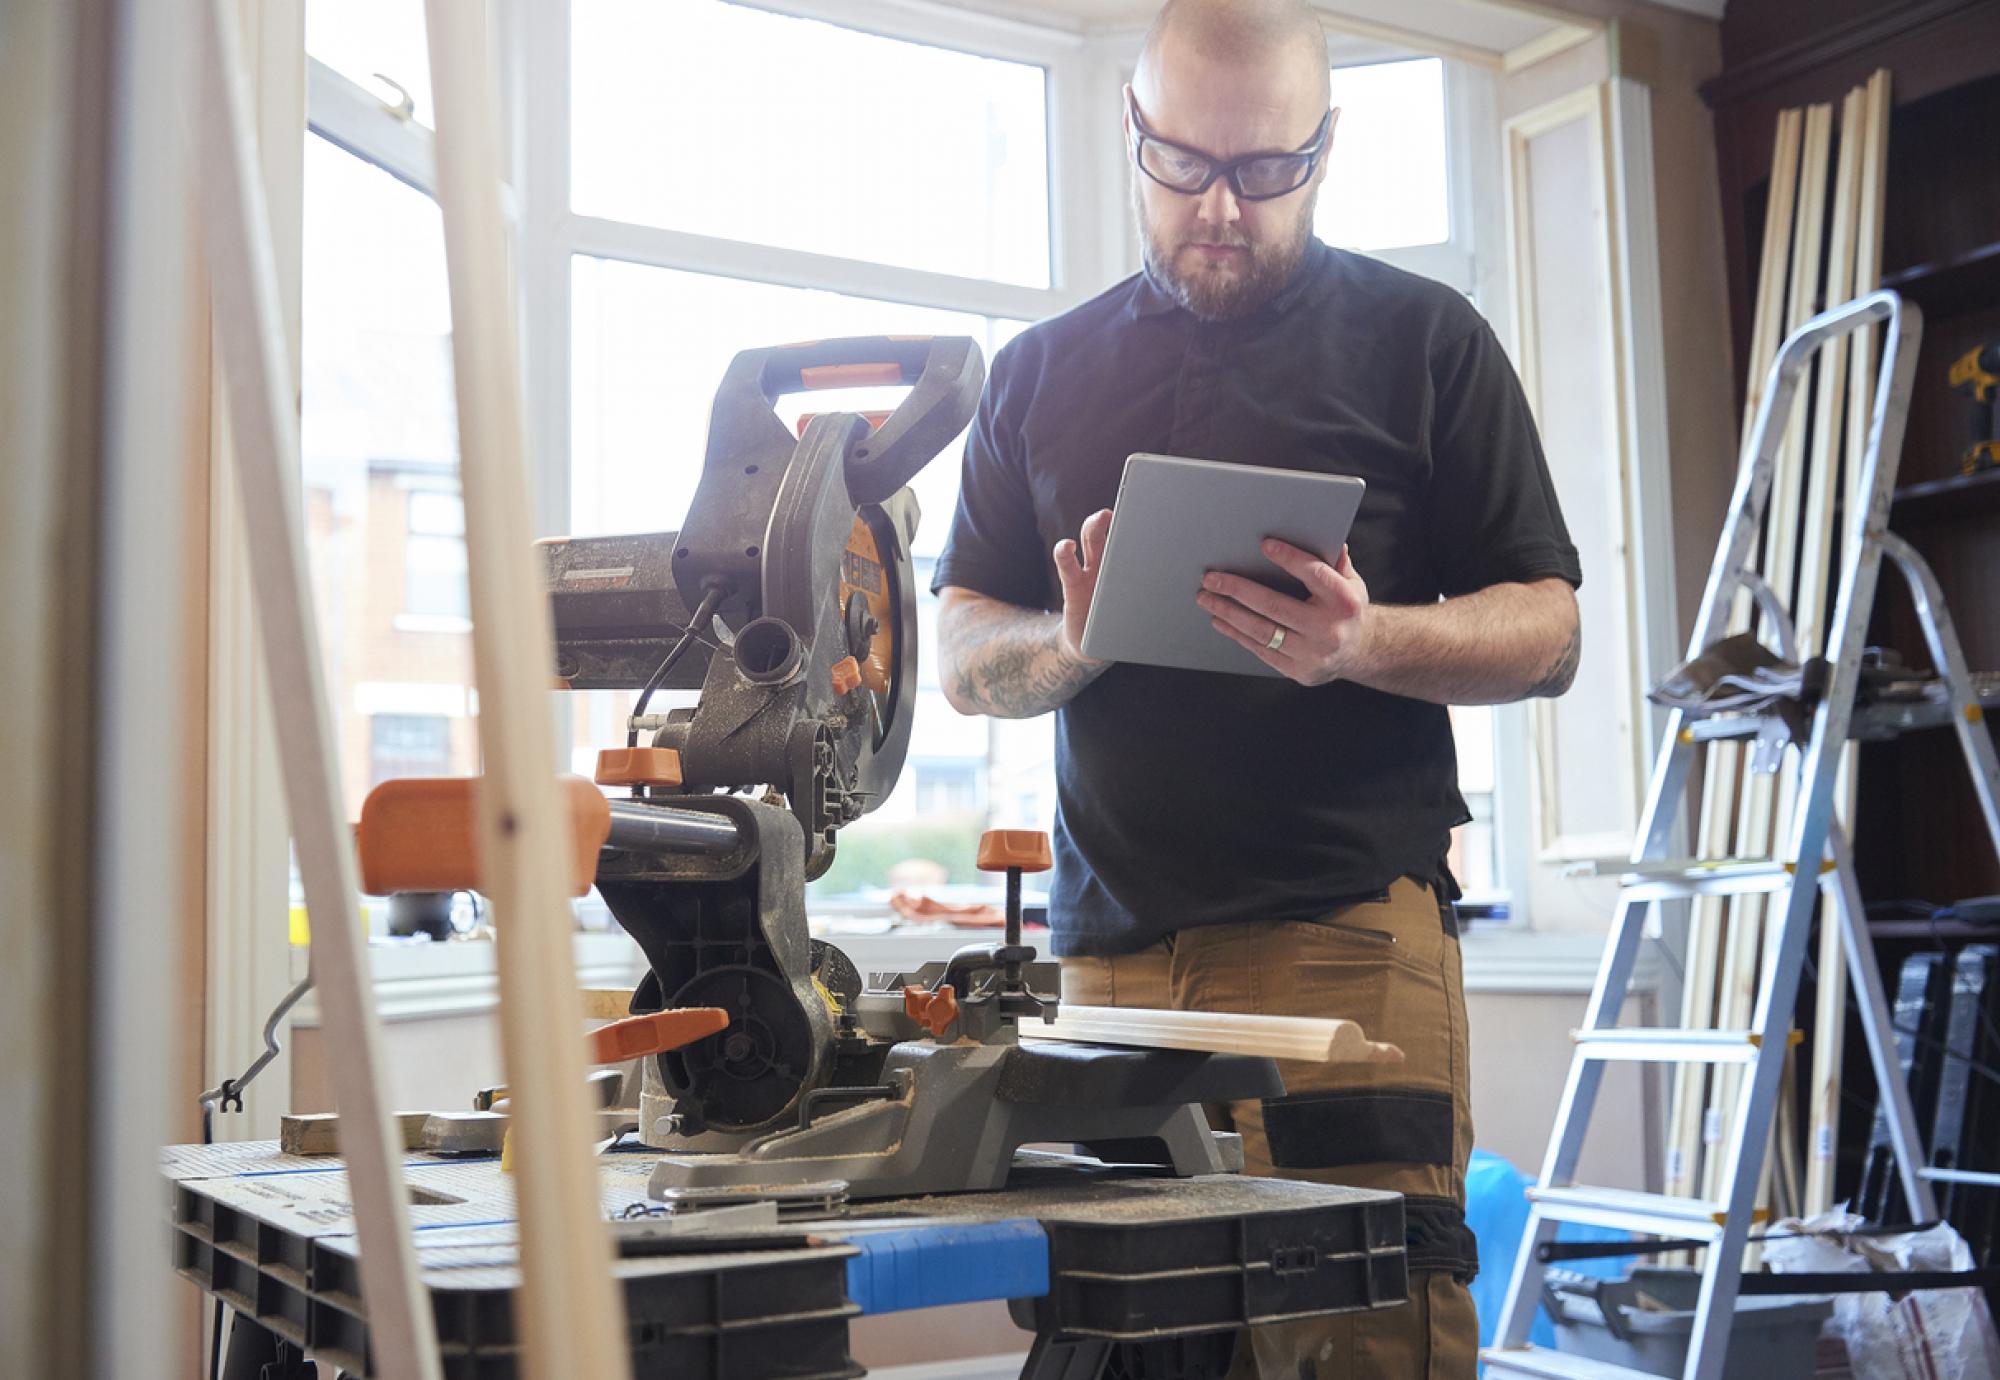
x=995 y=545
x=1494 y=517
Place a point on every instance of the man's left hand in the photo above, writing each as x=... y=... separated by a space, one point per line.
x=1318 y=639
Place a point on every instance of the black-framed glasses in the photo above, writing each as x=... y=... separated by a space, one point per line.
x=1253 y=177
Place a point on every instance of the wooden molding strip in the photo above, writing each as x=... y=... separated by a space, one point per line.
x=1309 y=1038
x=264 y=424
x=1830 y=1015
x=1723 y=764
x=568 y=1309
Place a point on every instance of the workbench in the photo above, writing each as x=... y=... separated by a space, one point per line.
x=1096 y=1262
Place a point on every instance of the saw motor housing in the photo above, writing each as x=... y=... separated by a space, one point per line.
x=807 y=675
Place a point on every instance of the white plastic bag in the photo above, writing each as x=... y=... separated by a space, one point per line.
x=1929 y=1334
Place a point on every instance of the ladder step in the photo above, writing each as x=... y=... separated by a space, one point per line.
x=1666 y=881
x=1669 y=1045
x=1655 y=1213
x=1555 y=1365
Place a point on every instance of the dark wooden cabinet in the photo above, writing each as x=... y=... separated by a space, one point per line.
x=1918 y=831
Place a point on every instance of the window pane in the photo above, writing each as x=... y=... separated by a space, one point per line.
x=729 y=121
x=360 y=38
x=1474 y=857
x=408 y=745
x=383 y=520
x=1386 y=179
x=437 y=513
x=650 y=348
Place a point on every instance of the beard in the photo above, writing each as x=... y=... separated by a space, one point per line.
x=1210 y=293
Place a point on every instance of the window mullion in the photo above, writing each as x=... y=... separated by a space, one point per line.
x=676 y=249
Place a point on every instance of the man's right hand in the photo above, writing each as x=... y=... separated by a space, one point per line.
x=1076 y=564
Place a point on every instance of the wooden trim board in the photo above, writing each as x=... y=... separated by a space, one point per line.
x=264 y=425
x=1312 y=1039
x=568 y=1309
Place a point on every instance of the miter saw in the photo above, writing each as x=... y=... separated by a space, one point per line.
x=788 y=601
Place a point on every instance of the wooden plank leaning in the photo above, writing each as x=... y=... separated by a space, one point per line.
x=1755 y=819
x=1815 y=574
x=568 y=1309
x=1724 y=761
x=1830 y=1009
x=264 y=422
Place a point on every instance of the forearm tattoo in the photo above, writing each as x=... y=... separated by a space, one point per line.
x=1562 y=671
x=1009 y=662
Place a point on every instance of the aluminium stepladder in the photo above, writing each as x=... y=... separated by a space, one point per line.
x=1812 y=856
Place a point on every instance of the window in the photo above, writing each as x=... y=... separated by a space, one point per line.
x=378 y=430
x=947 y=787
x=434 y=566
x=649 y=347
x=1395 y=182
x=1386 y=177
x=815 y=137
x=376 y=44
x=698 y=178
x=408 y=745
x=947 y=230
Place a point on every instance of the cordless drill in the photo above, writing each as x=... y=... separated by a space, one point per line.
x=1977 y=375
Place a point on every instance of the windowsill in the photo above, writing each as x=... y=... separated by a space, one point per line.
x=417 y=982
x=1510 y=960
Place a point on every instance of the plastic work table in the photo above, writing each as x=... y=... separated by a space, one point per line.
x=1110 y=1269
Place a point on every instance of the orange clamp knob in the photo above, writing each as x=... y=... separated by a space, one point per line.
x=934 y=1011
x=656 y=1032
x=846 y=675
x=639 y=766
x=418 y=833
x=1002 y=850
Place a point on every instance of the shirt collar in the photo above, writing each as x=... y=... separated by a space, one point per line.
x=1150 y=298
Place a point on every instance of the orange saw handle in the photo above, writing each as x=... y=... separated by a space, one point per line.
x=656 y=1032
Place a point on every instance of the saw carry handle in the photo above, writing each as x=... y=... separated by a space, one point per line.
x=944 y=374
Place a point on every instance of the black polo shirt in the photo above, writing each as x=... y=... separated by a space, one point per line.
x=1197 y=798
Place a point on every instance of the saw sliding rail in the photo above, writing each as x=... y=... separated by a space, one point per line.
x=665 y=829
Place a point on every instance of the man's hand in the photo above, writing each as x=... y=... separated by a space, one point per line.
x=1321 y=638
x=1508 y=641
x=1076 y=564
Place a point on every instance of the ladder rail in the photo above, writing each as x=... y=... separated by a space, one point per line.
x=1751 y=496
x=1968 y=718
x=1813 y=833
x=1878 y=1024
x=1757 y=1096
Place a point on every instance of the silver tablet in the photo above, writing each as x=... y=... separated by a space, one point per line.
x=1177 y=519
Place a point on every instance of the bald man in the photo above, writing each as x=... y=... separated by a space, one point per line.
x=1242 y=843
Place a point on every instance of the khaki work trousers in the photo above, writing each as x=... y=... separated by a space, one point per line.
x=1392 y=964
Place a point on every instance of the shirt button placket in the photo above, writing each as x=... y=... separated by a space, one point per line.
x=1195 y=396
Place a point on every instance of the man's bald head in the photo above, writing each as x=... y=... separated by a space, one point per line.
x=1227 y=80
x=1280 y=39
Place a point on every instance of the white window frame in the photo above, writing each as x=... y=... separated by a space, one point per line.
x=1468 y=101
x=345 y=113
